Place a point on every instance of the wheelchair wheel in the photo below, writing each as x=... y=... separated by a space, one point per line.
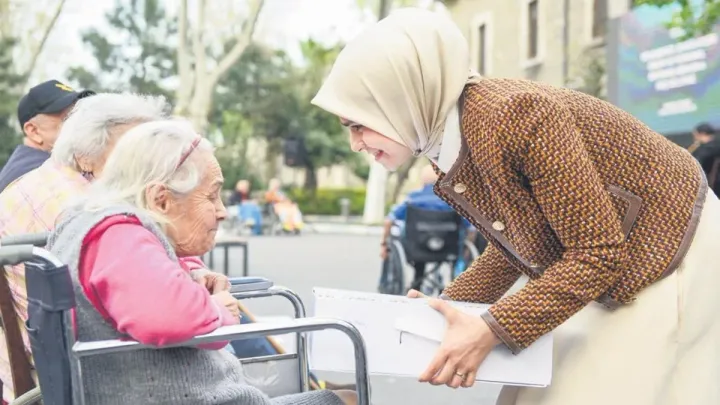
x=393 y=272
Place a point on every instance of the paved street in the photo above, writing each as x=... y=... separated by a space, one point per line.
x=346 y=262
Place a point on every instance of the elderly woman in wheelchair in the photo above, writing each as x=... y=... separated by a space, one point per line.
x=157 y=200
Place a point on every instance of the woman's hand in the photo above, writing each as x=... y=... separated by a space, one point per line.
x=466 y=343
x=214 y=282
x=225 y=299
x=415 y=294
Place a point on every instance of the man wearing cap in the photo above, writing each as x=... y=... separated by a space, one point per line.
x=40 y=112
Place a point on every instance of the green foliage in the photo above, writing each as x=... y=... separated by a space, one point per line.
x=9 y=132
x=326 y=201
x=255 y=97
x=136 y=54
x=694 y=17
x=266 y=95
x=326 y=141
x=592 y=66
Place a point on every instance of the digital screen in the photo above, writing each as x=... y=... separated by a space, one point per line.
x=670 y=85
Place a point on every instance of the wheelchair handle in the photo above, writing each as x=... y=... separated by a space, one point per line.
x=245 y=284
x=15 y=254
x=35 y=239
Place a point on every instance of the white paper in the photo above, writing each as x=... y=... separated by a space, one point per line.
x=402 y=335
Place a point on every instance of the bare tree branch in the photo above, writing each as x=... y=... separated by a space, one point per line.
x=243 y=40
x=38 y=49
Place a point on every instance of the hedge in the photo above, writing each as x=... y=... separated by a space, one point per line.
x=326 y=201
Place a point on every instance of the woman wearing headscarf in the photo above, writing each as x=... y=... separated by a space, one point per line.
x=612 y=223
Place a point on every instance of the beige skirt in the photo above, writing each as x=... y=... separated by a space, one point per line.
x=663 y=349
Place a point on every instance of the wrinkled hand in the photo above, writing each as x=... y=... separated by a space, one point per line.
x=225 y=299
x=466 y=343
x=214 y=282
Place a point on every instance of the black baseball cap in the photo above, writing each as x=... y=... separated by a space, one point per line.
x=50 y=97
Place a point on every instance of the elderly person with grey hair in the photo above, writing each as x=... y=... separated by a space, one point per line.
x=158 y=200
x=32 y=203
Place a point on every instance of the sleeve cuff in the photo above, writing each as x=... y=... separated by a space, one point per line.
x=500 y=332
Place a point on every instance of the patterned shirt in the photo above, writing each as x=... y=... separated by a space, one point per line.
x=30 y=205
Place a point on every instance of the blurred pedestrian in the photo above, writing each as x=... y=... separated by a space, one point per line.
x=423 y=198
x=40 y=113
x=706 y=150
x=245 y=210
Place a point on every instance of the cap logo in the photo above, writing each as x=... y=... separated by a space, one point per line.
x=64 y=87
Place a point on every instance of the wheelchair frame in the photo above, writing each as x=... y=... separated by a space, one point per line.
x=393 y=277
x=24 y=249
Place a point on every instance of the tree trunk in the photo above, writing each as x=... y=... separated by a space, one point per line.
x=271 y=157
x=197 y=83
x=310 y=178
x=5 y=26
x=194 y=96
x=184 y=90
x=402 y=176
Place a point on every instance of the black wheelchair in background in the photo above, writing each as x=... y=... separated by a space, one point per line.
x=428 y=240
x=58 y=356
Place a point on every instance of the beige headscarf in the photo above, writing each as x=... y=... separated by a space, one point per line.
x=401 y=77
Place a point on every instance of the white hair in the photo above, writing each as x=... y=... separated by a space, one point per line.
x=150 y=154
x=89 y=127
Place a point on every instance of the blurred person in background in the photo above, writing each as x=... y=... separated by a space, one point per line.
x=244 y=208
x=424 y=198
x=288 y=212
x=40 y=113
x=706 y=150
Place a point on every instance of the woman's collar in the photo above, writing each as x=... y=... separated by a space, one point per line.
x=451 y=142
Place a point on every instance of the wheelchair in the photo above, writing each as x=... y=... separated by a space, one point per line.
x=436 y=238
x=58 y=355
x=271 y=223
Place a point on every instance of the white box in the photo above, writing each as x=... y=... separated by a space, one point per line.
x=402 y=335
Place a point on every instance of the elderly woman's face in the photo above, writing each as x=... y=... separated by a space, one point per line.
x=386 y=151
x=195 y=217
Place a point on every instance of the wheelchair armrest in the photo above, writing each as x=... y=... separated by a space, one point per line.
x=35 y=239
x=33 y=396
x=232 y=332
x=250 y=331
x=245 y=284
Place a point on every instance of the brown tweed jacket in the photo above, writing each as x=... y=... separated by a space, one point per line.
x=578 y=195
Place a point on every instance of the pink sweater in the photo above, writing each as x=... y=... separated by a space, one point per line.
x=130 y=280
